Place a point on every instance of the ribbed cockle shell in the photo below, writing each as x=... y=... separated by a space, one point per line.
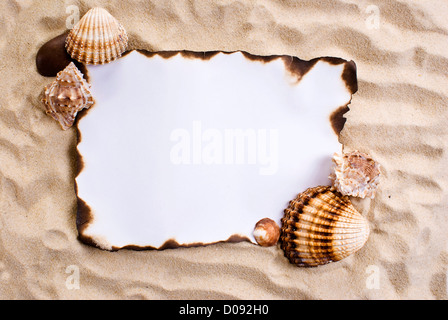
x=321 y=226
x=355 y=174
x=67 y=95
x=97 y=38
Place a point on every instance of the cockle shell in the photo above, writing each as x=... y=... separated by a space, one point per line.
x=67 y=95
x=321 y=226
x=97 y=38
x=355 y=174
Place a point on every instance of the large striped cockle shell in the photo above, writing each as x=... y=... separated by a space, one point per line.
x=67 y=95
x=321 y=226
x=97 y=38
x=355 y=174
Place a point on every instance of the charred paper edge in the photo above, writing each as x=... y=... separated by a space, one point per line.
x=294 y=65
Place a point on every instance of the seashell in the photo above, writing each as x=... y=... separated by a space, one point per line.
x=266 y=232
x=321 y=226
x=67 y=95
x=355 y=174
x=97 y=38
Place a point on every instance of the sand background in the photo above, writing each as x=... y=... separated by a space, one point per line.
x=399 y=115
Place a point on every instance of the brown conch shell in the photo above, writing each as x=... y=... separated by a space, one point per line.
x=67 y=95
x=97 y=38
x=355 y=174
x=321 y=226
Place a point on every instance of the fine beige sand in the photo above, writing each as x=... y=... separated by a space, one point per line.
x=399 y=116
